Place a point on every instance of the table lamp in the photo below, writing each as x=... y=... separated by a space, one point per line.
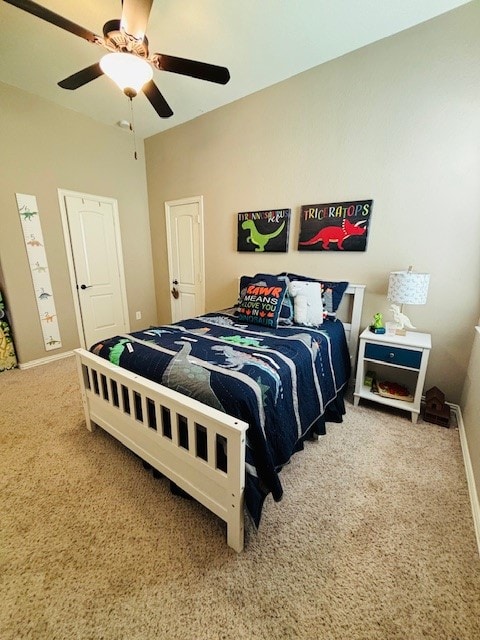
x=406 y=287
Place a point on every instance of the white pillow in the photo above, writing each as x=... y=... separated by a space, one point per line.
x=307 y=301
x=300 y=309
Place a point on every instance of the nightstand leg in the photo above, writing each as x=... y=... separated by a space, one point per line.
x=356 y=400
x=414 y=417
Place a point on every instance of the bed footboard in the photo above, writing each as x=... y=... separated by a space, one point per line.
x=199 y=448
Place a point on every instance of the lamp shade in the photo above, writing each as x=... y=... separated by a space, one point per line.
x=128 y=71
x=407 y=287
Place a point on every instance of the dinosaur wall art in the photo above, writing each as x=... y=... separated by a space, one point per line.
x=338 y=226
x=263 y=230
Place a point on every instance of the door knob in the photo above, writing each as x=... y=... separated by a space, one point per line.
x=175 y=282
x=85 y=286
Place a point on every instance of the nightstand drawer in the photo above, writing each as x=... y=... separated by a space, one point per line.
x=393 y=355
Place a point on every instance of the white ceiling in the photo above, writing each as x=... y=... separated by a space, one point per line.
x=260 y=41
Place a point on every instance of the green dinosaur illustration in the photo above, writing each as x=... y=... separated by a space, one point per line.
x=260 y=239
x=242 y=341
x=117 y=350
x=39 y=268
x=27 y=214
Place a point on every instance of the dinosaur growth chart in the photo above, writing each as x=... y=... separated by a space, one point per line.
x=33 y=236
x=337 y=226
x=263 y=230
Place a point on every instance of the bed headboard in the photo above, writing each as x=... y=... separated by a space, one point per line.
x=350 y=313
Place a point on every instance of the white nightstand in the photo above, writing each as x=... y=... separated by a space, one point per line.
x=400 y=359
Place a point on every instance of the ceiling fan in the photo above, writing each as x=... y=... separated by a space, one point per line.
x=128 y=62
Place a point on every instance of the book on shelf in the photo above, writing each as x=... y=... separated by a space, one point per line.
x=394 y=390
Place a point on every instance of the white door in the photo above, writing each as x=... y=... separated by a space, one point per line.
x=184 y=220
x=95 y=258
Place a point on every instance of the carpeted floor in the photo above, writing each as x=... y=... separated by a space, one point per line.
x=373 y=540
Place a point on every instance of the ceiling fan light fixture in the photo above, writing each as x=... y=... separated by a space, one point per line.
x=127 y=70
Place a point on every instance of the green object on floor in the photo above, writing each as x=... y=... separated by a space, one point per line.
x=8 y=358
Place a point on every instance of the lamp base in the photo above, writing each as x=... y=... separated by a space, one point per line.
x=400 y=332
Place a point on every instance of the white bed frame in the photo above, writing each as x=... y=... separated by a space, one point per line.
x=181 y=437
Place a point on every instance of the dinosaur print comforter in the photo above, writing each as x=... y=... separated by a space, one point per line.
x=285 y=382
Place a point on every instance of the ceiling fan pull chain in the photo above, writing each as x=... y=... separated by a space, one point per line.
x=132 y=129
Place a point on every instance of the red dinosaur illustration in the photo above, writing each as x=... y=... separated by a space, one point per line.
x=337 y=234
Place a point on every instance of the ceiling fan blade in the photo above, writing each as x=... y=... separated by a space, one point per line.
x=193 y=68
x=135 y=14
x=81 y=77
x=55 y=19
x=156 y=99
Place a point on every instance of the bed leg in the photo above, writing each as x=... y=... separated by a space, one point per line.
x=91 y=426
x=235 y=529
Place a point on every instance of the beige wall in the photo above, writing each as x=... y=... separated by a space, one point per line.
x=43 y=148
x=470 y=405
x=397 y=121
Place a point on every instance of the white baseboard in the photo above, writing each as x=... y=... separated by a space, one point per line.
x=472 y=488
x=40 y=361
